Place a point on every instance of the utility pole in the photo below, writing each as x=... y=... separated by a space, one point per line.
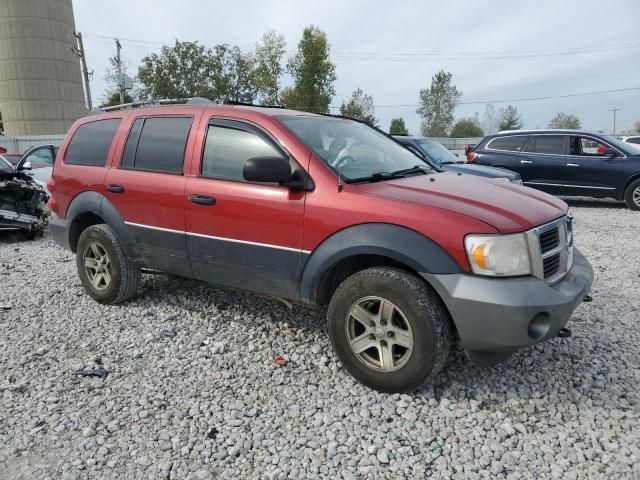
x=614 y=110
x=119 y=67
x=79 y=51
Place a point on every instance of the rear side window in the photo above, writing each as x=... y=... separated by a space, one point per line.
x=157 y=144
x=509 y=144
x=633 y=140
x=90 y=144
x=550 y=144
x=227 y=149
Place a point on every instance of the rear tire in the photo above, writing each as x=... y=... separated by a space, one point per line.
x=632 y=195
x=389 y=329
x=106 y=273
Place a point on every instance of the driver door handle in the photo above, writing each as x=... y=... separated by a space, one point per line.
x=526 y=162
x=202 y=199
x=573 y=165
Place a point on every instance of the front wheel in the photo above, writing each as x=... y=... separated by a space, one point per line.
x=632 y=195
x=389 y=329
x=106 y=273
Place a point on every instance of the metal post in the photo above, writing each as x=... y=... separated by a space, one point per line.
x=614 y=110
x=85 y=72
x=119 y=67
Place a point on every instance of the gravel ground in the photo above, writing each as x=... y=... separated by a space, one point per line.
x=193 y=392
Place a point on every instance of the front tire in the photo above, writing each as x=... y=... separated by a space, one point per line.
x=106 y=273
x=389 y=329
x=632 y=195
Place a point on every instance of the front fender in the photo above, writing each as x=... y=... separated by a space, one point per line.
x=392 y=241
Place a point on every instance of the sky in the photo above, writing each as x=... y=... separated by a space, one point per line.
x=496 y=50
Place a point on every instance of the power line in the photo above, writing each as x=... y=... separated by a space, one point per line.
x=482 y=102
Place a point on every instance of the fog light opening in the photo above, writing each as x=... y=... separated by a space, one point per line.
x=539 y=325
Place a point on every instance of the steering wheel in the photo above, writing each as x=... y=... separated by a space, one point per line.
x=344 y=161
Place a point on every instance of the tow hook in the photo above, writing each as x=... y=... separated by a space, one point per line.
x=587 y=299
x=564 y=332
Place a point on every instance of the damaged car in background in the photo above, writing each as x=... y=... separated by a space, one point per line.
x=22 y=200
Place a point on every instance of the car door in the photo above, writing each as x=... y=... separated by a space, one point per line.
x=593 y=167
x=544 y=162
x=40 y=159
x=147 y=189
x=242 y=234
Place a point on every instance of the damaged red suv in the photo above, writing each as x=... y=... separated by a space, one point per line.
x=319 y=210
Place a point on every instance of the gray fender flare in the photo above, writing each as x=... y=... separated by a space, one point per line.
x=393 y=241
x=96 y=203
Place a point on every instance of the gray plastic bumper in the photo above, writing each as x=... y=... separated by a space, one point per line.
x=503 y=315
x=58 y=229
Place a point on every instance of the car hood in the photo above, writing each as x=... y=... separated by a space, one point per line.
x=505 y=206
x=479 y=170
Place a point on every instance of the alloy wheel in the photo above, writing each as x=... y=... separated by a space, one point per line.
x=97 y=266
x=636 y=196
x=379 y=334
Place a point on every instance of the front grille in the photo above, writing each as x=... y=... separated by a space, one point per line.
x=549 y=240
x=551 y=265
x=551 y=248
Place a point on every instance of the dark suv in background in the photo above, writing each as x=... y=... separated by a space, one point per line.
x=438 y=156
x=566 y=162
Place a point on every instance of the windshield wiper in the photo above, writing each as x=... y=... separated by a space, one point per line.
x=415 y=169
x=378 y=176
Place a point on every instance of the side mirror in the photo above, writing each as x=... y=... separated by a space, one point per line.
x=25 y=166
x=611 y=152
x=267 y=170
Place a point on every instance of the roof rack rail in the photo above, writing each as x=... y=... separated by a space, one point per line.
x=249 y=104
x=151 y=103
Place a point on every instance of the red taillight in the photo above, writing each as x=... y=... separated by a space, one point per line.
x=471 y=157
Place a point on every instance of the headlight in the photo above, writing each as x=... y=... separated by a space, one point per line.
x=498 y=255
x=517 y=181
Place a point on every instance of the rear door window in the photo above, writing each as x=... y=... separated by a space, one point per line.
x=90 y=143
x=510 y=144
x=157 y=144
x=549 y=144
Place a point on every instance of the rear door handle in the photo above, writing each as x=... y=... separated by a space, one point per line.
x=526 y=162
x=113 y=188
x=202 y=199
x=573 y=165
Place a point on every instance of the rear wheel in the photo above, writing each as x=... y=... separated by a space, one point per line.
x=105 y=271
x=632 y=195
x=389 y=329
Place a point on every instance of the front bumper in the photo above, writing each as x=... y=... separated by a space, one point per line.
x=503 y=315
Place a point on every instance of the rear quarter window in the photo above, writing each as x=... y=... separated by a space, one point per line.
x=90 y=143
x=509 y=144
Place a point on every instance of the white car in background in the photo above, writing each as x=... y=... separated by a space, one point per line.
x=36 y=161
x=633 y=139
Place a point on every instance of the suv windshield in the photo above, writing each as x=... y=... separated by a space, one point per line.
x=437 y=152
x=353 y=149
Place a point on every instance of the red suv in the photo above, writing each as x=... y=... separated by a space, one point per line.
x=323 y=211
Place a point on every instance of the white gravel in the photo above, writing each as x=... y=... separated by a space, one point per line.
x=192 y=390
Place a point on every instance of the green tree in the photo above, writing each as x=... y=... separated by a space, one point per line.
x=437 y=105
x=233 y=74
x=467 y=127
x=398 y=127
x=565 y=120
x=183 y=70
x=114 y=99
x=509 y=118
x=268 y=57
x=313 y=74
x=360 y=106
